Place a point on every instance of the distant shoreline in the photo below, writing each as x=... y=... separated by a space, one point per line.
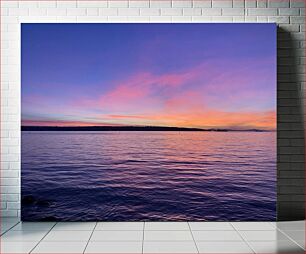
x=128 y=128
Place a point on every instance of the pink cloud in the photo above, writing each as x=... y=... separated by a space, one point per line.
x=139 y=91
x=205 y=95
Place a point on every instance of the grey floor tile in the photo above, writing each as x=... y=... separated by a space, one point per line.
x=5 y=226
x=168 y=236
x=17 y=247
x=118 y=226
x=67 y=236
x=297 y=235
x=119 y=236
x=166 y=226
x=69 y=226
x=221 y=226
x=291 y=225
x=287 y=247
x=22 y=236
x=224 y=247
x=253 y=226
x=216 y=236
x=160 y=237
x=170 y=247
x=33 y=226
x=272 y=235
x=60 y=247
x=114 y=247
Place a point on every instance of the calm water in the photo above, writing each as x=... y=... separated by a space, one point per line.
x=152 y=176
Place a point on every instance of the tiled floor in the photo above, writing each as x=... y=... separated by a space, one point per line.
x=152 y=237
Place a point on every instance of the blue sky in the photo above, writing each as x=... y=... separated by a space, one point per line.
x=140 y=74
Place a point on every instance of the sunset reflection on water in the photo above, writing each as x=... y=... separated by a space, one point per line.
x=127 y=176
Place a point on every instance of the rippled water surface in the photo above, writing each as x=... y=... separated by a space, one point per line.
x=152 y=176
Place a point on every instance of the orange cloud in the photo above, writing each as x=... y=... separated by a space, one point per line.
x=210 y=119
x=221 y=119
x=201 y=119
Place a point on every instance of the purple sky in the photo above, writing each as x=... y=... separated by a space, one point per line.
x=192 y=75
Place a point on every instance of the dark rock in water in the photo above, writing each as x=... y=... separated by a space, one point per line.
x=28 y=200
x=43 y=203
x=31 y=200
x=49 y=218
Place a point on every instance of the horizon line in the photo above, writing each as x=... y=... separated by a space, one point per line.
x=143 y=127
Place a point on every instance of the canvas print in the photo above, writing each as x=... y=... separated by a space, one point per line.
x=148 y=122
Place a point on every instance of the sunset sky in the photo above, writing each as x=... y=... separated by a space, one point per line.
x=189 y=75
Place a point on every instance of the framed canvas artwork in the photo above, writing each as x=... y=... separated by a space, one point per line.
x=148 y=122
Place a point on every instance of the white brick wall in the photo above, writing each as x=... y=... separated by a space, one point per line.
x=289 y=13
